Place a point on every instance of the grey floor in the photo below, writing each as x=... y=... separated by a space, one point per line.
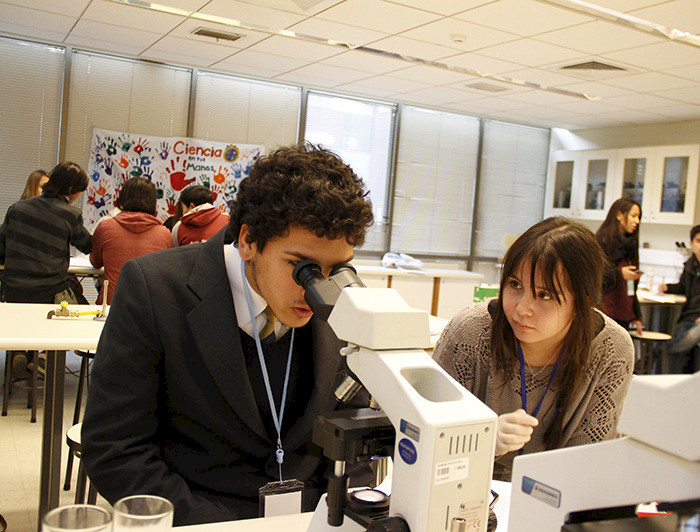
x=20 y=454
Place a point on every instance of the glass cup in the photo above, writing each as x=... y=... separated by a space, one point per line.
x=83 y=517
x=144 y=512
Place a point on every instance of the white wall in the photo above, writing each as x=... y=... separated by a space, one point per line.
x=657 y=236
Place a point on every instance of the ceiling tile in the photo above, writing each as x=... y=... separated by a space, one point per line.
x=130 y=17
x=303 y=79
x=660 y=56
x=366 y=62
x=599 y=90
x=70 y=8
x=411 y=47
x=22 y=17
x=443 y=7
x=361 y=88
x=542 y=77
x=33 y=32
x=94 y=43
x=476 y=37
x=378 y=15
x=681 y=111
x=481 y=63
x=202 y=53
x=132 y=38
x=687 y=94
x=255 y=14
x=327 y=29
x=651 y=82
x=531 y=53
x=599 y=36
x=681 y=14
x=691 y=72
x=438 y=95
x=522 y=17
x=331 y=73
x=436 y=76
x=269 y=62
x=289 y=47
x=245 y=70
x=539 y=97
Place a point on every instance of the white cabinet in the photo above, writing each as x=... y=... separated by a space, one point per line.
x=581 y=184
x=663 y=179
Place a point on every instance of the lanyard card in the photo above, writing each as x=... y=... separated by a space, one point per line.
x=281 y=498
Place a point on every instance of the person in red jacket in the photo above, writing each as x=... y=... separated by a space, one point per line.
x=135 y=231
x=200 y=219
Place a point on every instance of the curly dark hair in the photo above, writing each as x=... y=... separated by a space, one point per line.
x=301 y=185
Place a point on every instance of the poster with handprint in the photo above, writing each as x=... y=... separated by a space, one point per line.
x=171 y=163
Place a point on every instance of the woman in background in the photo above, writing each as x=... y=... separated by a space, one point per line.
x=619 y=238
x=35 y=184
x=554 y=369
x=135 y=231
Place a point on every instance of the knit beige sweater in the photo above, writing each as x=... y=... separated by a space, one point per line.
x=464 y=348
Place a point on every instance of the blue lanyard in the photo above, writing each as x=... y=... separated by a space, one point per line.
x=276 y=418
x=523 y=388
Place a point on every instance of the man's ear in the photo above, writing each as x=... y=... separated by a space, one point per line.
x=246 y=248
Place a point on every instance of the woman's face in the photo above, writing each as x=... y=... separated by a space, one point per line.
x=538 y=322
x=629 y=221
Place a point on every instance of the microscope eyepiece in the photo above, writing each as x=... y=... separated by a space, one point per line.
x=321 y=293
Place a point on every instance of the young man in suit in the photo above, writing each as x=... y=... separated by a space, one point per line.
x=178 y=402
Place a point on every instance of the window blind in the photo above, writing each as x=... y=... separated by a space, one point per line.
x=118 y=94
x=511 y=185
x=240 y=110
x=435 y=175
x=31 y=79
x=361 y=132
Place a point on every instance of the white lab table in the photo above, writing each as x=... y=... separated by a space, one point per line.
x=440 y=292
x=300 y=522
x=25 y=327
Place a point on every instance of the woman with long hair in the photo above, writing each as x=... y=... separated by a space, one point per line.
x=35 y=184
x=554 y=369
x=619 y=237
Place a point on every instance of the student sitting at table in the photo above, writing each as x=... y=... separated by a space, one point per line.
x=200 y=220
x=35 y=184
x=682 y=348
x=36 y=236
x=554 y=368
x=135 y=231
x=189 y=399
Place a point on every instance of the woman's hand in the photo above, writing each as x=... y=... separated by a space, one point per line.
x=513 y=431
x=638 y=326
x=662 y=288
x=629 y=273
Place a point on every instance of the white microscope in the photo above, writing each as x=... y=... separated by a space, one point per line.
x=444 y=436
x=598 y=486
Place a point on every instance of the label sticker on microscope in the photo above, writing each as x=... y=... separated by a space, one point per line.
x=542 y=492
x=451 y=470
x=408 y=451
x=410 y=430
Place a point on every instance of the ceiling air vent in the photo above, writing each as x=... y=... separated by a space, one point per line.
x=486 y=87
x=593 y=65
x=217 y=34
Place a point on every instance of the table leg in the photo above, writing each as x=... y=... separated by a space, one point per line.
x=52 y=435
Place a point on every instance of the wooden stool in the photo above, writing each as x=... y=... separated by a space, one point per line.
x=644 y=349
x=32 y=385
x=73 y=441
x=83 y=380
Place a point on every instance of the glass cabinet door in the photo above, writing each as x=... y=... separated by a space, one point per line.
x=596 y=183
x=563 y=183
x=674 y=184
x=634 y=171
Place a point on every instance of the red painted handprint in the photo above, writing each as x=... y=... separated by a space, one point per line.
x=140 y=145
x=176 y=172
x=171 y=205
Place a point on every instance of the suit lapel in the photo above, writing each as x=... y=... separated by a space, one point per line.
x=221 y=351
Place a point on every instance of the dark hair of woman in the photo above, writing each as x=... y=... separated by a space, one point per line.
x=610 y=234
x=65 y=179
x=566 y=254
x=306 y=186
x=30 y=189
x=138 y=194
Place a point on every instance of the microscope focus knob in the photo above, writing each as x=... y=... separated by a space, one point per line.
x=389 y=524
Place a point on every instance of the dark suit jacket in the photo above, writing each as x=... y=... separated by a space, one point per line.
x=171 y=410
